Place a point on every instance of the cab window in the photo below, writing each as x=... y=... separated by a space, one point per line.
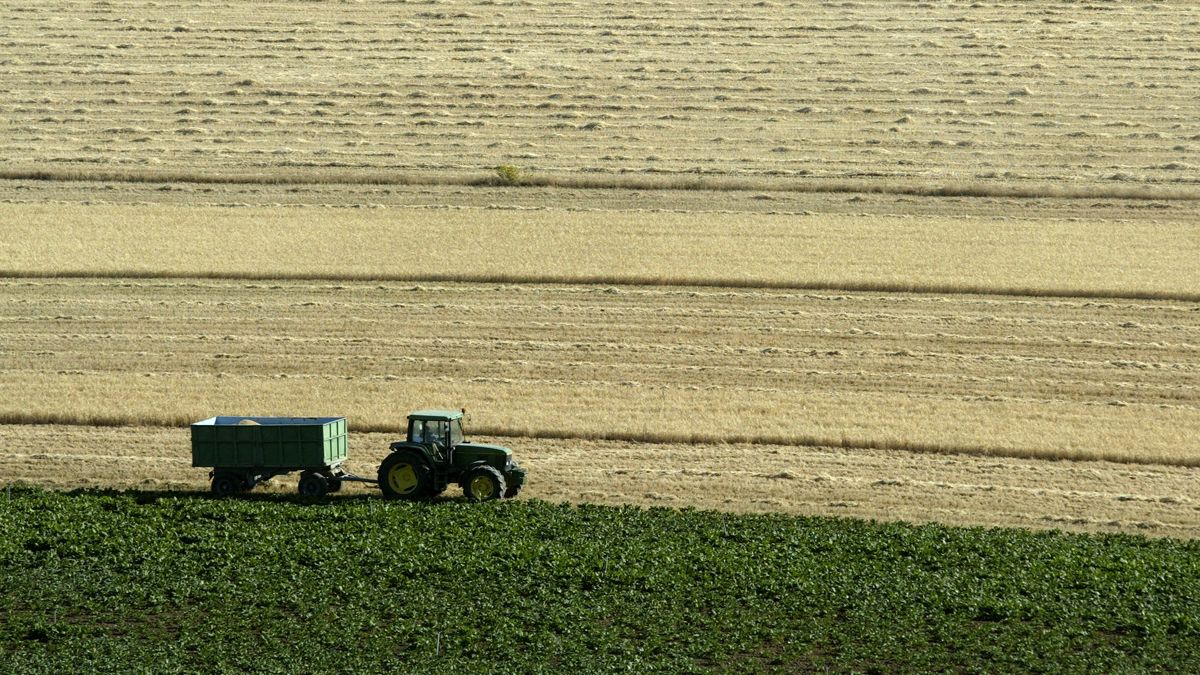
x=429 y=431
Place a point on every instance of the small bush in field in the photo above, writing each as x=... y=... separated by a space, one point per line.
x=509 y=174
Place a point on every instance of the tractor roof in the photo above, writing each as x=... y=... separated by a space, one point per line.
x=435 y=415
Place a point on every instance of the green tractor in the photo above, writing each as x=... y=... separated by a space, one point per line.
x=436 y=454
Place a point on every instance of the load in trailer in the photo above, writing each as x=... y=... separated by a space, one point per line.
x=245 y=451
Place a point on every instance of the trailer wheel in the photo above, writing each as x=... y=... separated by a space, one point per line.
x=483 y=483
x=225 y=483
x=332 y=485
x=402 y=475
x=313 y=484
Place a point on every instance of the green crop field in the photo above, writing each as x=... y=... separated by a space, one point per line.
x=122 y=581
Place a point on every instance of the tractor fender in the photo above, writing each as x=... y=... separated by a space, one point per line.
x=415 y=448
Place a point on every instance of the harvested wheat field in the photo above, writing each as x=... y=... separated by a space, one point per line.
x=1057 y=378
x=922 y=261
x=1082 y=97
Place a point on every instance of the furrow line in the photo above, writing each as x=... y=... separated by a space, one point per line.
x=622 y=280
x=664 y=181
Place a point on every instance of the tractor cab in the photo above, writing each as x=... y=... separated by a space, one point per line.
x=440 y=429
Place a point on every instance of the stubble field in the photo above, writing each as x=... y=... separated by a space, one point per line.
x=1059 y=96
x=879 y=259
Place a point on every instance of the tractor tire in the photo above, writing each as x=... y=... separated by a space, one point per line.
x=313 y=484
x=225 y=483
x=483 y=484
x=404 y=475
x=512 y=492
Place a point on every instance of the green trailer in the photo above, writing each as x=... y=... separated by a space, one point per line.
x=245 y=451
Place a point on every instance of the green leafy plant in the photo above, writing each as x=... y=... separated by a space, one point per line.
x=509 y=174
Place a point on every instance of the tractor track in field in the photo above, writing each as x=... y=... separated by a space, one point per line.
x=917 y=288
x=680 y=181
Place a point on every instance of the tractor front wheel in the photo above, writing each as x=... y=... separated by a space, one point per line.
x=483 y=483
x=403 y=475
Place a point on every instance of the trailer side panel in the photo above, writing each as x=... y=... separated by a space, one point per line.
x=269 y=442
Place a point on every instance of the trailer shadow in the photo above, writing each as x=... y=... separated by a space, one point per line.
x=145 y=497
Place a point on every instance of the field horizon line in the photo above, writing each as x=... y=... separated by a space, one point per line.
x=648 y=438
x=668 y=181
x=914 y=288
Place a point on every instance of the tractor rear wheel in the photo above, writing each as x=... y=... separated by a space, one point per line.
x=404 y=475
x=483 y=483
x=225 y=483
x=313 y=484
